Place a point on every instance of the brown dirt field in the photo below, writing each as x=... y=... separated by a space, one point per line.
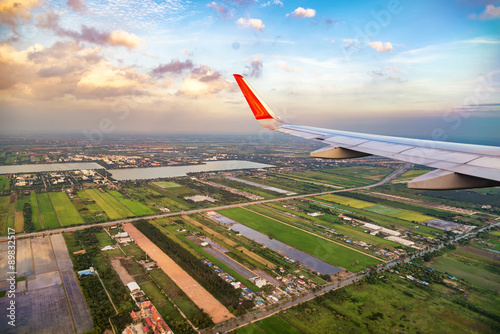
x=19 y=222
x=122 y=272
x=201 y=297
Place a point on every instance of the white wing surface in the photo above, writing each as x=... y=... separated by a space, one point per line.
x=458 y=166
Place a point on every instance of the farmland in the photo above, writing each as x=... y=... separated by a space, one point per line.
x=271 y=325
x=137 y=208
x=4 y=212
x=4 y=182
x=65 y=210
x=35 y=211
x=49 y=216
x=327 y=251
x=113 y=208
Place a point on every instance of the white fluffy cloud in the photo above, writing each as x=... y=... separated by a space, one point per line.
x=255 y=24
x=381 y=47
x=302 y=12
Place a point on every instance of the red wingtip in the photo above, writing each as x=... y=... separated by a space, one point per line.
x=258 y=108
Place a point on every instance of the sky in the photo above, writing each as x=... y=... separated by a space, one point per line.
x=425 y=69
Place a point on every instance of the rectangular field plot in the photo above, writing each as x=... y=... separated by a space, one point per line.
x=24 y=259
x=35 y=213
x=4 y=265
x=61 y=252
x=65 y=209
x=43 y=255
x=113 y=208
x=4 y=212
x=39 y=311
x=276 y=325
x=137 y=208
x=79 y=310
x=325 y=250
x=166 y=184
x=355 y=203
x=49 y=217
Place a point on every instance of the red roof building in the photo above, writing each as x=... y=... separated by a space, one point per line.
x=145 y=329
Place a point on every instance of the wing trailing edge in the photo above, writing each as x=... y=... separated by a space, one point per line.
x=459 y=166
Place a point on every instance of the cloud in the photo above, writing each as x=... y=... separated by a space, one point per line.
x=381 y=47
x=66 y=70
x=255 y=68
x=394 y=69
x=220 y=9
x=289 y=69
x=302 y=13
x=491 y=12
x=51 y=20
x=255 y=24
x=77 y=6
x=174 y=67
x=272 y=2
x=15 y=12
x=204 y=82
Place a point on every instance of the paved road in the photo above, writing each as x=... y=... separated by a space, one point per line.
x=389 y=178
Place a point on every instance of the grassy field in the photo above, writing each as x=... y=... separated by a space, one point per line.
x=256 y=257
x=473 y=268
x=390 y=304
x=356 y=203
x=166 y=184
x=276 y=325
x=4 y=182
x=137 y=208
x=113 y=208
x=19 y=222
x=65 y=209
x=49 y=216
x=4 y=212
x=35 y=213
x=104 y=239
x=332 y=253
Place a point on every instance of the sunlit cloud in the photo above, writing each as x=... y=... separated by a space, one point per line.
x=255 y=24
x=303 y=13
x=15 y=12
x=255 y=68
x=381 y=47
x=204 y=82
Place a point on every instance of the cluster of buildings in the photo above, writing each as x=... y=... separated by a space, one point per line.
x=123 y=238
x=146 y=320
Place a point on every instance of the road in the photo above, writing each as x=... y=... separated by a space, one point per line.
x=388 y=178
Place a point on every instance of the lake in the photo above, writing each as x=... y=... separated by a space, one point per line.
x=175 y=171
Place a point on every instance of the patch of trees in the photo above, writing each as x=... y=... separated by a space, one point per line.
x=114 y=285
x=216 y=193
x=221 y=290
x=97 y=301
x=28 y=218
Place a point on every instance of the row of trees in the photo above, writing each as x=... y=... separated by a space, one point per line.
x=223 y=291
x=28 y=218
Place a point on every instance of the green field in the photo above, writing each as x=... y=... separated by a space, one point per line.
x=104 y=239
x=389 y=304
x=4 y=182
x=166 y=184
x=35 y=213
x=275 y=325
x=65 y=209
x=380 y=209
x=473 y=268
x=4 y=213
x=113 y=208
x=356 y=203
x=137 y=208
x=330 y=252
x=49 y=217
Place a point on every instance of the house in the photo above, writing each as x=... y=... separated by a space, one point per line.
x=134 y=316
x=107 y=248
x=133 y=286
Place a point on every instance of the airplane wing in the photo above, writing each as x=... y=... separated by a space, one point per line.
x=458 y=166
